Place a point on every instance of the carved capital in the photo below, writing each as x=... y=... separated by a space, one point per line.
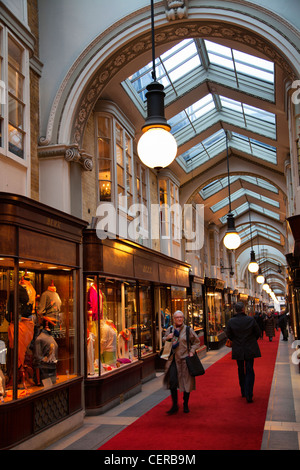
x=176 y=9
x=71 y=153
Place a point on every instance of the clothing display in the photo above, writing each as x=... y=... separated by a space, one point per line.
x=125 y=344
x=26 y=284
x=92 y=302
x=108 y=342
x=25 y=336
x=90 y=353
x=45 y=353
x=49 y=305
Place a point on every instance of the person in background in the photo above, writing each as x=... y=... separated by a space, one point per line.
x=176 y=372
x=282 y=323
x=244 y=332
x=269 y=325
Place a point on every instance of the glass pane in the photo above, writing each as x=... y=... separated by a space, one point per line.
x=120 y=158
x=104 y=126
x=15 y=53
x=111 y=310
x=146 y=323
x=120 y=175
x=7 y=285
x=15 y=141
x=105 y=190
x=47 y=341
x=119 y=135
x=103 y=147
x=15 y=110
x=15 y=83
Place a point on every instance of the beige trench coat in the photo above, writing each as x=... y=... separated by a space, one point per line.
x=186 y=383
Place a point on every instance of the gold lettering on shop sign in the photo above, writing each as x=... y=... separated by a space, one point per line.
x=53 y=223
x=147 y=269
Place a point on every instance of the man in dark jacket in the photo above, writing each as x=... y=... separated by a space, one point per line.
x=244 y=332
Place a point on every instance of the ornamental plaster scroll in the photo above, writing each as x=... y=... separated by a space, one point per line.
x=176 y=9
x=71 y=153
x=163 y=35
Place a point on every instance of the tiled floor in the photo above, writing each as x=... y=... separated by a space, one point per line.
x=282 y=427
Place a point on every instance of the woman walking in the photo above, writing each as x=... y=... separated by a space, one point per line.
x=270 y=325
x=176 y=372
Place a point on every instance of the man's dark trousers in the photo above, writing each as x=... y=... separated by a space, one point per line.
x=246 y=377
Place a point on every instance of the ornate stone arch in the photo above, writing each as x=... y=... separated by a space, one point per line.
x=99 y=63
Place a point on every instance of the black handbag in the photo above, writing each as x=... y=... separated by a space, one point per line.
x=193 y=363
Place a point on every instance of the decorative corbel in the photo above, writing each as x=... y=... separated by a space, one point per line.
x=176 y=9
x=71 y=153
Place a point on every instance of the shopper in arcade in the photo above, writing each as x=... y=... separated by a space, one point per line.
x=176 y=372
x=244 y=332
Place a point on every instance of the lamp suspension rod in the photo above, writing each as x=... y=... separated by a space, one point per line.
x=250 y=226
x=153 y=41
x=228 y=175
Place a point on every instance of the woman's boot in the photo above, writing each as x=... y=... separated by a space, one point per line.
x=174 y=408
x=186 y=397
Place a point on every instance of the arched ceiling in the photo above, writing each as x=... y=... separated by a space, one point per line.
x=216 y=83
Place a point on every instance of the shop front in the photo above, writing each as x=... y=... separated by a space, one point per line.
x=130 y=294
x=215 y=311
x=196 y=311
x=40 y=376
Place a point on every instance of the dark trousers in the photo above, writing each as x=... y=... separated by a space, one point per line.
x=246 y=376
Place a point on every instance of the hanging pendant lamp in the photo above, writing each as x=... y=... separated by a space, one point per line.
x=232 y=239
x=157 y=147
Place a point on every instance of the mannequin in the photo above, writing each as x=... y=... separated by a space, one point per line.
x=125 y=344
x=108 y=342
x=50 y=304
x=25 y=282
x=45 y=355
x=92 y=301
x=92 y=307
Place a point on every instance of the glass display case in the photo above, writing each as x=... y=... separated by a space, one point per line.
x=37 y=327
x=119 y=323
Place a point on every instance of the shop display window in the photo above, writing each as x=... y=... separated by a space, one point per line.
x=112 y=325
x=119 y=324
x=216 y=315
x=146 y=320
x=43 y=352
x=163 y=315
x=179 y=300
x=195 y=309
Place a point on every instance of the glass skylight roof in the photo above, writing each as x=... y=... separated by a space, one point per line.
x=258 y=230
x=217 y=185
x=185 y=57
x=256 y=207
x=169 y=67
x=243 y=193
x=240 y=61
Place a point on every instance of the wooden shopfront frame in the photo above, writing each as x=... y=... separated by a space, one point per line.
x=123 y=259
x=36 y=234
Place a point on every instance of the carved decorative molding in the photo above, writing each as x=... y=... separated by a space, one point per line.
x=176 y=9
x=172 y=32
x=71 y=153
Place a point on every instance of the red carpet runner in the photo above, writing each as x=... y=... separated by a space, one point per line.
x=220 y=419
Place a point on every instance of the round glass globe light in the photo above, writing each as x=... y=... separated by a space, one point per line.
x=260 y=279
x=265 y=286
x=253 y=267
x=232 y=240
x=157 y=148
